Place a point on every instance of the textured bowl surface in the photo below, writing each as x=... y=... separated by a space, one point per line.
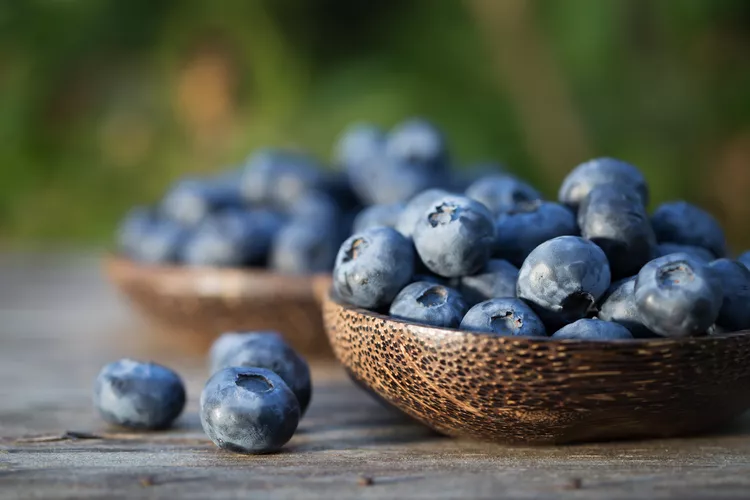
x=513 y=389
x=201 y=303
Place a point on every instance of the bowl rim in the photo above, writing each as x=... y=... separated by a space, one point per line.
x=117 y=259
x=422 y=329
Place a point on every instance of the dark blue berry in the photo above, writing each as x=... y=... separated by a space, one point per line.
x=269 y=350
x=698 y=252
x=505 y=317
x=416 y=208
x=745 y=259
x=618 y=305
x=192 y=200
x=227 y=343
x=372 y=267
x=616 y=220
x=678 y=295
x=455 y=236
x=396 y=181
x=138 y=395
x=146 y=238
x=501 y=192
x=378 y=215
x=734 y=314
x=232 y=238
x=316 y=209
x=430 y=304
x=279 y=178
x=248 y=410
x=592 y=329
x=563 y=278
x=683 y=223
x=303 y=248
x=418 y=142
x=529 y=224
x=586 y=176
x=497 y=279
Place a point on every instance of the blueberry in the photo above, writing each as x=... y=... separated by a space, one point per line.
x=586 y=176
x=678 y=295
x=683 y=223
x=372 y=267
x=415 y=208
x=465 y=177
x=151 y=240
x=358 y=149
x=279 y=177
x=394 y=181
x=270 y=351
x=191 y=200
x=592 y=329
x=563 y=278
x=378 y=215
x=697 y=252
x=227 y=343
x=432 y=278
x=506 y=317
x=497 y=279
x=618 y=305
x=357 y=144
x=430 y=304
x=455 y=236
x=136 y=223
x=745 y=259
x=248 y=410
x=529 y=224
x=418 y=142
x=303 y=248
x=734 y=314
x=138 y=395
x=501 y=192
x=316 y=209
x=232 y=238
x=616 y=220
x=336 y=184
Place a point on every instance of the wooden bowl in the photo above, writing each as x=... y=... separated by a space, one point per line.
x=515 y=389
x=201 y=303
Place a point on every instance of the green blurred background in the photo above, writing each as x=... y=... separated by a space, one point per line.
x=103 y=103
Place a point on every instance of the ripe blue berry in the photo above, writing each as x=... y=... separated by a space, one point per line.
x=505 y=317
x=429 y=303
x=563 y=278
x=248 y=410
x=678 y=295
x=592 y=329
x=138 y=395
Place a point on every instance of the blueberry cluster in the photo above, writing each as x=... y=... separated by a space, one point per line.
x=259 y=389
x=280 y=210
x=490 y=255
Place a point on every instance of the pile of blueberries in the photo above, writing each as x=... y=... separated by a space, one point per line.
x=497 y=258
x=282 y=210
x=279 y=210
x=259 y=389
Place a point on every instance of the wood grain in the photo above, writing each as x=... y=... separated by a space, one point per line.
x=60 y=321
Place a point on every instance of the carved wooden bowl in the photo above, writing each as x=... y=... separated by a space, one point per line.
x=200 y=303
x=514 y=389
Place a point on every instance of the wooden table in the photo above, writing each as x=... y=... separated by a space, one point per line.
x=59 y=322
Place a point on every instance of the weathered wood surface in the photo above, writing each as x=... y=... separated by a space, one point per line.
x=59 y=322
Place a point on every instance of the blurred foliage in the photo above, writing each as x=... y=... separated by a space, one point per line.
x=104 y=102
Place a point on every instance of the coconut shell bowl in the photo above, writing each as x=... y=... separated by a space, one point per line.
x=198 y=304
x=540 y=391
